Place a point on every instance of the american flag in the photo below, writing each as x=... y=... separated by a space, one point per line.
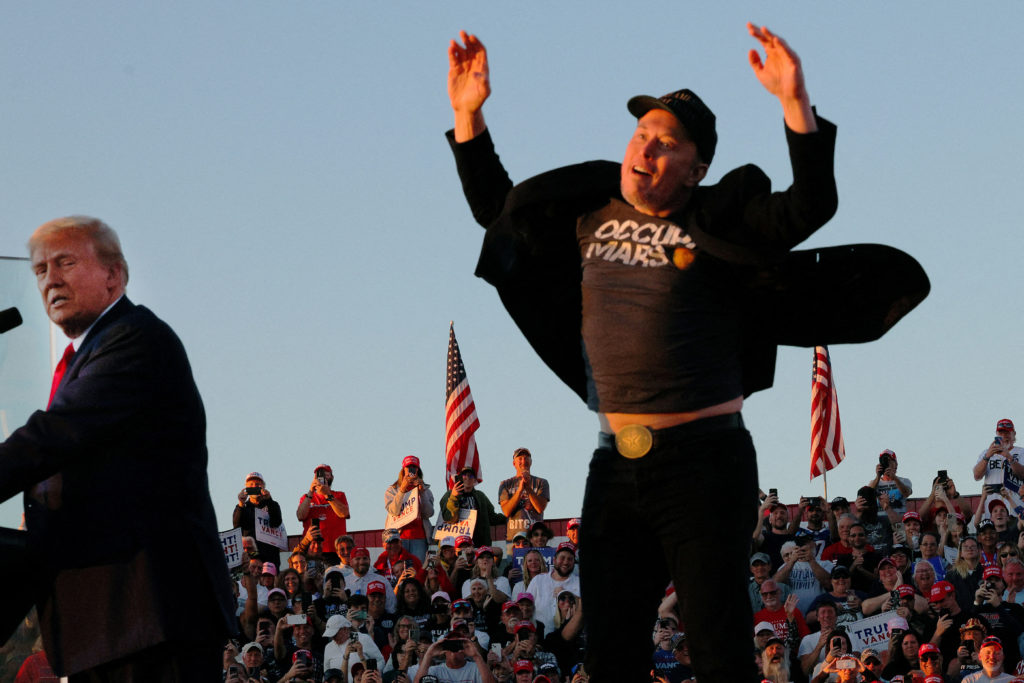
x=461 y=421
x=827 y=449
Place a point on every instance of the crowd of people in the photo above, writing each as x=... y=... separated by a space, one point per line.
x=456 y=608
x=859 y=589
x=867 y=589
x=864 y=588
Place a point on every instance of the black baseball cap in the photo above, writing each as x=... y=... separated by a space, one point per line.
x=696 y=117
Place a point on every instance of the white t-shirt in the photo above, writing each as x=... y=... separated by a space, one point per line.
x=355 y=584
x=501 y=583
x=896 y=500
x=808 y=643
x=545 y=591
x=334 y=654
x=997 y=463
x=805 y=584
x=982 y=677
x=469 y=673
x=261 y=594
x=997 y=466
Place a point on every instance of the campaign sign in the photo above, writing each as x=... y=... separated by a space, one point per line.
x=870 y=631
x=1012 y=483
x=409 y=512
x=231 y=542
x=518 y=553
x=267 y=534
x=463 y=526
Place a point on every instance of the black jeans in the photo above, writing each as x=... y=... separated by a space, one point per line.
x=165 y=663
x=685 y=512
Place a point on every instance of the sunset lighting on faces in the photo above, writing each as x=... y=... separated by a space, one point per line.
x=661 y=165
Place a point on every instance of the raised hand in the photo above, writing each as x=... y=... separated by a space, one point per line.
x=469 y=84
x=780 y=72
x=782 y=75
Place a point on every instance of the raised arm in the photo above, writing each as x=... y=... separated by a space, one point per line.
x=781 y=74
x=484 y=180
x=469 y=85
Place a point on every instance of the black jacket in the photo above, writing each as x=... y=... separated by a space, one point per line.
x=853 y=293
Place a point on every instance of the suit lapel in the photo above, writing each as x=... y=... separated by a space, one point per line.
x=92 y=339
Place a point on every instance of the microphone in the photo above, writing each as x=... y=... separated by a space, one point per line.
x=9 y=319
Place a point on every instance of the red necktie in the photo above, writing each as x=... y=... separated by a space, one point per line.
x=58 y=374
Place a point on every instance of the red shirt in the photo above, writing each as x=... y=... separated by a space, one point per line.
x=837 y=549
x=331 y=525
x=383 y=563
x=778 y=621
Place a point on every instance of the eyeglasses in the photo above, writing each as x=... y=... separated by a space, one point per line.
x=1007 y=554
x=766 y=593
x=929 y=656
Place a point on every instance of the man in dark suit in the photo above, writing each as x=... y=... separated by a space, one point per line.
x=112 y=469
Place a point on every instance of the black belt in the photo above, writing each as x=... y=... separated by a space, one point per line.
x=636 y=441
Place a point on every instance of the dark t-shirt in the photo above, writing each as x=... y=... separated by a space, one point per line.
x=771 y=544
x=660 y=320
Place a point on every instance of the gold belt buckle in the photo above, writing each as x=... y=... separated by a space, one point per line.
x=634 y=441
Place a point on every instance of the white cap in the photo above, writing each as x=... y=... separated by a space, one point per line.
x=335 y=624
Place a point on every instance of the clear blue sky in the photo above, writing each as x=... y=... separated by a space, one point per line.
x=287 y=202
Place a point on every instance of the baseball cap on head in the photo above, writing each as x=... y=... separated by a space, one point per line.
x=992 y=571
x=940 y=589
x=691 y=112
x=523 y=665
x=1006 y=425
x=991 y=641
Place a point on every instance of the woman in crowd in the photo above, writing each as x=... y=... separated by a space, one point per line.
x=297 y=561
x=902 y=655
x=533 y=565
x=413 y=601
x=966 y=572
x=839 y=645
x=924 y=578
x=415 y=533
x=943 y=496
x=404 y=640
x=484 y=568
x=1006 y=552
x=434 y=578
x=566 y=642
x=929 y=547
x=952 y=529
x=290 y=581
x=486 y=611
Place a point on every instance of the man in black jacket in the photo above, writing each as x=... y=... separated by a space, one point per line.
x=465 y=496
x=633 y=265
x=255 y=496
